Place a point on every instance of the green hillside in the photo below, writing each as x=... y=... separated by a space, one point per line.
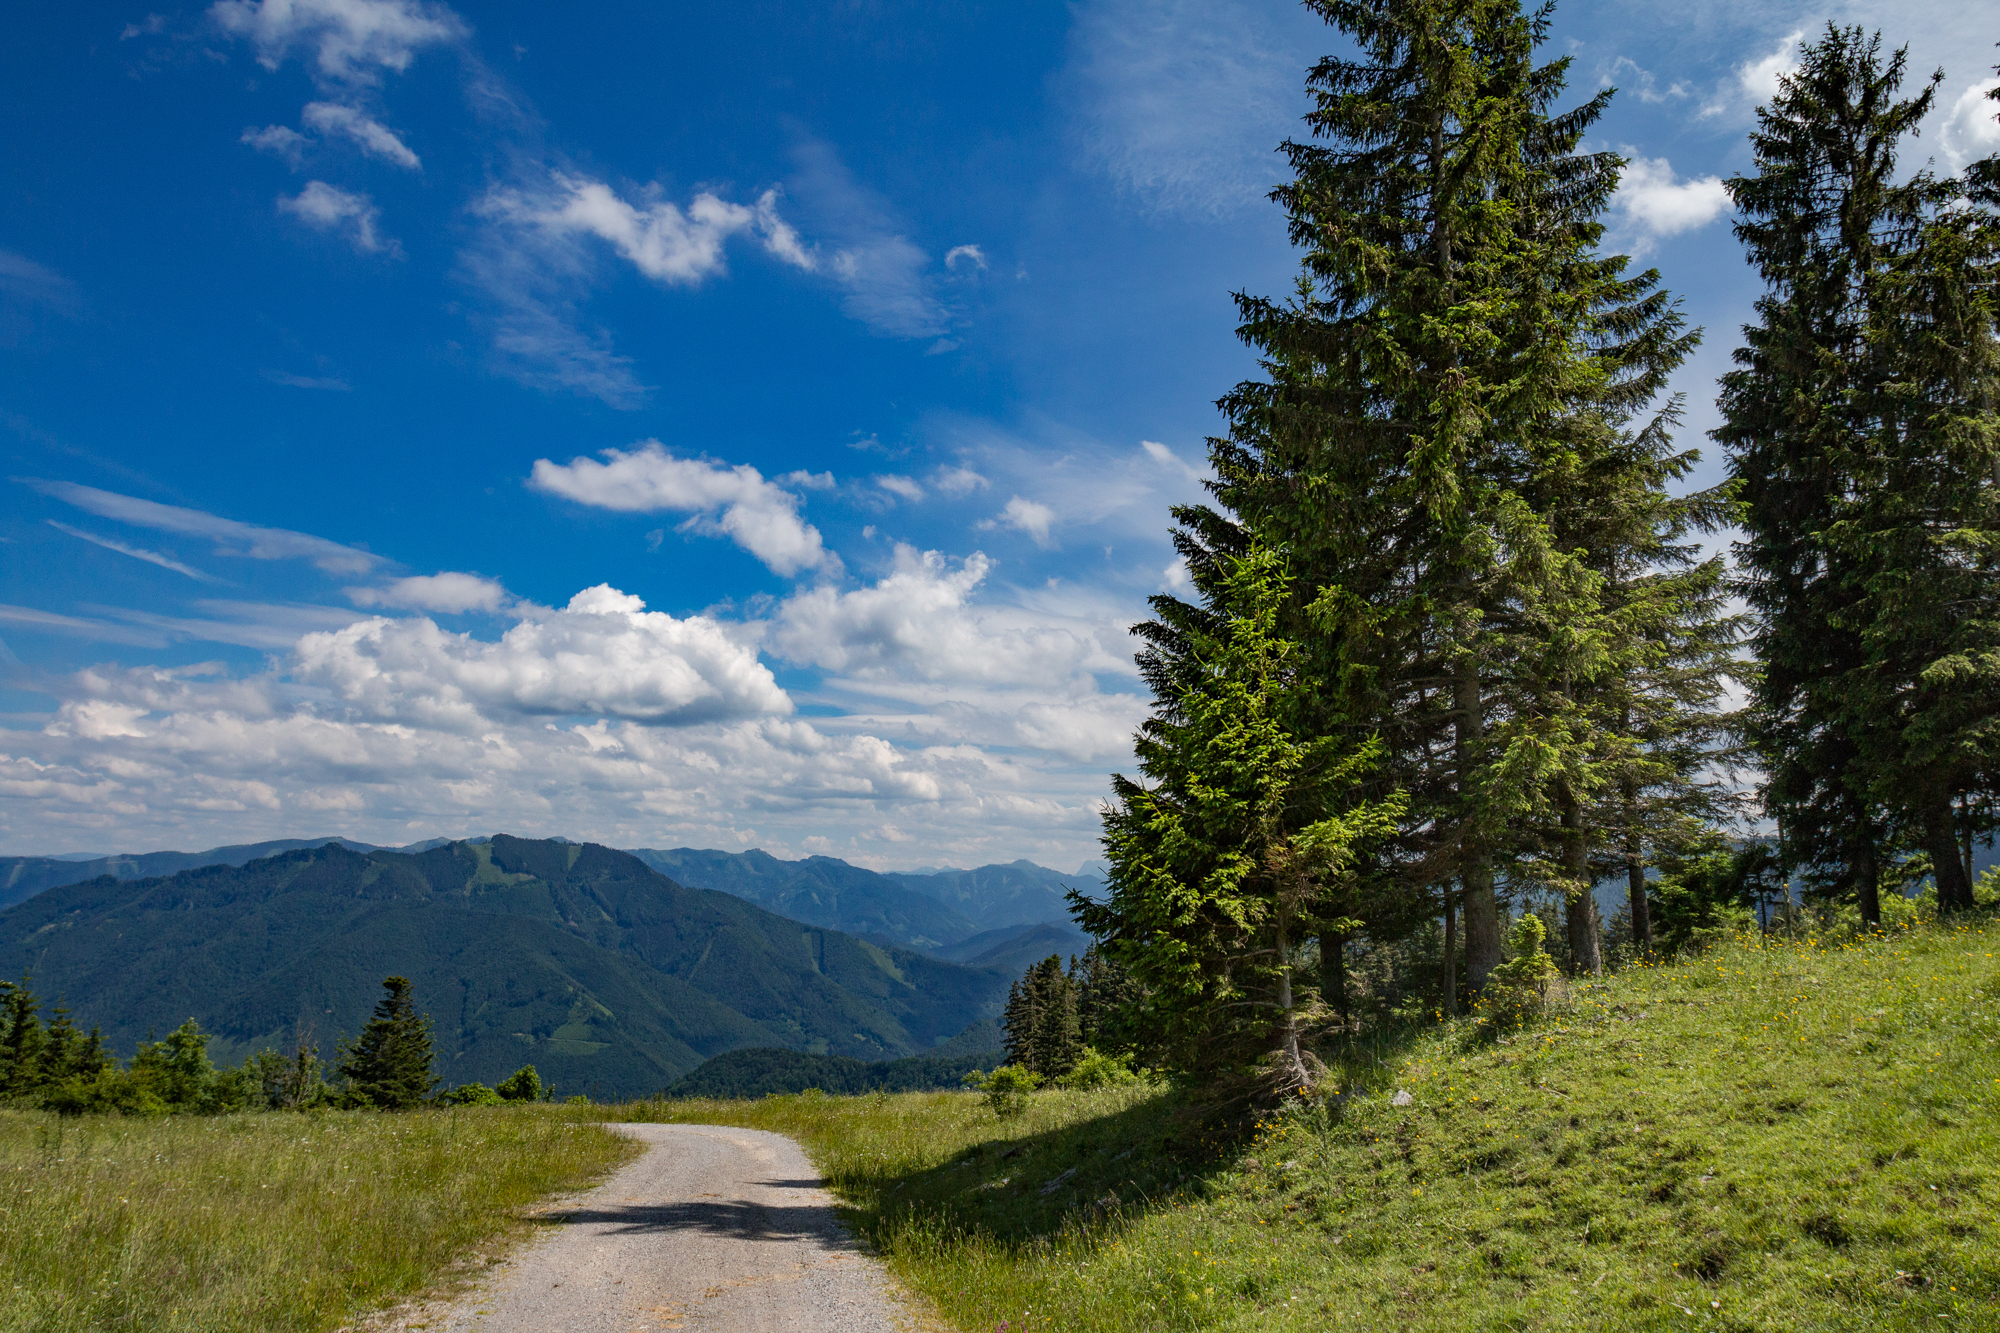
x=1771 y=1137
x=607 y=976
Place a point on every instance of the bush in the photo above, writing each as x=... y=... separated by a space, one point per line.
x=109 y=1091
x=1096 y=1069
x=1006 y=1088
x=523 y=1085
x=472 y=1094
x=1516 y=990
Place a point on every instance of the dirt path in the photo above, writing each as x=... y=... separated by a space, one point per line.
x=713 y=1230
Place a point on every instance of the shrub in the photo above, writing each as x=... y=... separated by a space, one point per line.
x=1518 y=987
x=1006 y=1088
x=472 y=1094
x=523 y=1085
x=1097 y=1069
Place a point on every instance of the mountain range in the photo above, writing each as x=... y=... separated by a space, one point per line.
x=587 y=962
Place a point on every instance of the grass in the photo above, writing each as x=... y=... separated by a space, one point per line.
x=266 y=1222
x=1792 y=1136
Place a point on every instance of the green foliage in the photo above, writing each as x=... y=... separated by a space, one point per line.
x=1860 y=427
x=1100 y=1069
x=471 y=1094
x=523 y=1085
x=767 y=1071
x=1517 y=988
x=1006 y=1088
x=1041 y=1020
x=1241 y=849
x=389 y=1065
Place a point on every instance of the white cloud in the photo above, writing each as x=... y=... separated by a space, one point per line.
x=375 y=138
x=961 y=670
x=278 y=140
x=1631 y=77
x=351 y=41
x=291 y=381
x=736 y=502
x=602 y=654
x=230 y=537
x=902 y=486
x=448 y=592
x=136 y=552
x=1028 y=516
x=972 y=255
x=660 y=240
x=1972 y=127
x=957 y=481
x=1655 y=205
x=1759 y=78
x=1183 y=102
x=329 y=209
x=1167 y=458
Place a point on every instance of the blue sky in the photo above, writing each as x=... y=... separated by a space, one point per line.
x=742 y=425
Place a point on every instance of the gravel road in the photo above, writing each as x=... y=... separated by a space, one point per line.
x=715 y=1229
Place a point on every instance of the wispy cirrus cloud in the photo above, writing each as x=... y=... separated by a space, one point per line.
x=136 y=552
x=231 y=538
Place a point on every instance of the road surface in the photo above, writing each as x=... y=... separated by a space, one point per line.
x=713 y=1230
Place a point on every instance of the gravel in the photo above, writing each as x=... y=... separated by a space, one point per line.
x=714 y=1229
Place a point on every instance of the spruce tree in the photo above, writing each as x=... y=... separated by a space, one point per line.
x=1453 y=341
x=1041 y=1022
x=389 y=1064
x=1860 y=428
x=1232 y=856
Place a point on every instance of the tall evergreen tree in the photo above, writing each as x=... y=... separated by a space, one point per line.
x=1041 y=1021
x=1860 y=427
x=389 y=1064
x=1426 y=393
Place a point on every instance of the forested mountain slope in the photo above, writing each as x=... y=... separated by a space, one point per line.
x=579 y=959
x=22 y=877
x=819 y=890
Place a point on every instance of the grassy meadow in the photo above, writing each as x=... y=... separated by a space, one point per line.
x=1785 y=1136
x=265 y=1222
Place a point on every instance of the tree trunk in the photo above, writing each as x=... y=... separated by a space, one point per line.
x=1635 y=876
x=1580 y=908
x=1482 y=909
x=1288 y=1016
x=1954 y=886
x=1450 y=963
x=1333 y=974
x=1867 y=879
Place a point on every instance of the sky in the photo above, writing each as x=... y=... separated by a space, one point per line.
x=731 y=426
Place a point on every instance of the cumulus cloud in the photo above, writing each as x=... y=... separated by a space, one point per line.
x=900 y=486
x=449 y=593
x=230 y=537
x=1009 y=673
x=1027 y=516
x=956 y=481
x=349 y=41
x=1655 y=204
x=602 y=654
x=1759 y=78
x=1972 y=126
x=736 y=502
x=374 y=138
x=327 y=208
x=661 y=241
